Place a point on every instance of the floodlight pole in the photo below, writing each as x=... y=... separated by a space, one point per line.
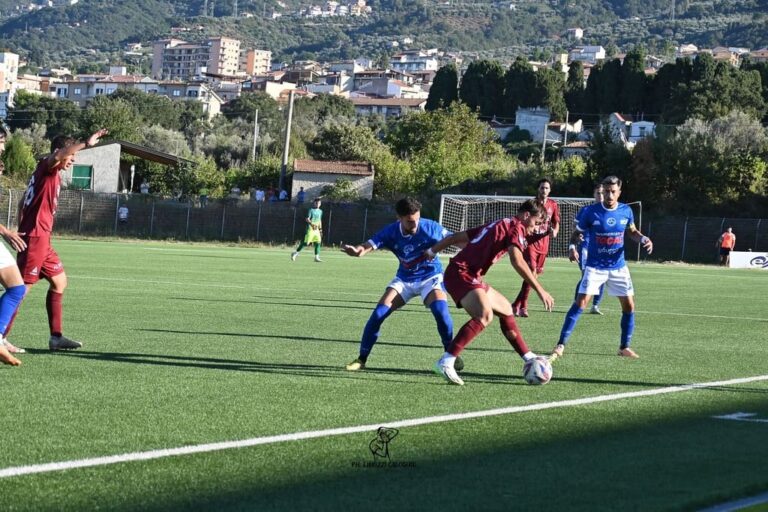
x=287 y=145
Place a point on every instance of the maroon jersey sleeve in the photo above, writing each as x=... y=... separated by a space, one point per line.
x=555 y=213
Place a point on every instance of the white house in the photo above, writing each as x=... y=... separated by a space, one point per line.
x=627 y=132
x=314 y=175
x=535 y=120
x=590 y=54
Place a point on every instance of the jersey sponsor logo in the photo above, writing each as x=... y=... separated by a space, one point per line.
x=623 y=222
x=608 y=240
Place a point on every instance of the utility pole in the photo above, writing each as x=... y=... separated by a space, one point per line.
x=672 y=12
x=284 y=167
x=255 y=134
x=565 y=136
x=234 y=10
x=544 y=143
x=205 y=7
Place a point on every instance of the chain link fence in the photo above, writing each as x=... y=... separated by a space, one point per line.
x=690 y=239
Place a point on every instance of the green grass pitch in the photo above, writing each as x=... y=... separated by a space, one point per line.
x=187 y=345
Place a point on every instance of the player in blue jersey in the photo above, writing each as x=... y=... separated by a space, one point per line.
x=606 y=224
x=408 y=239
x=578 y=253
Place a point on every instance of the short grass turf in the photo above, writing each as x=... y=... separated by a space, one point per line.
x=193 y=344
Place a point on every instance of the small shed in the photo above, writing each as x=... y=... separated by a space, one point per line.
x=313 y=175
x=102 y=169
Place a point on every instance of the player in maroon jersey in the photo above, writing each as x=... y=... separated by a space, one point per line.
x=536 y=253
x=484 y=246
x=36 y=223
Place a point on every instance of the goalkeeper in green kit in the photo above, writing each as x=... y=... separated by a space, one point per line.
x=314 y=231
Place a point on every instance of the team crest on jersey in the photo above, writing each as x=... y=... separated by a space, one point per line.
x=408 y=249
x=611 y=221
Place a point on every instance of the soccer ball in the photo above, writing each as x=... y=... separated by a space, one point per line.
x=537 y=371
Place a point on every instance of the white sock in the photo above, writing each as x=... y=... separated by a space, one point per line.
x=528 y=356
x=447 y=360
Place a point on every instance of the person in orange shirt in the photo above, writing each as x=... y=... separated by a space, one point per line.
x=726 y=243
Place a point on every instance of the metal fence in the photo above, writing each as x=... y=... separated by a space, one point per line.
x=151 y=217
x=690 y=239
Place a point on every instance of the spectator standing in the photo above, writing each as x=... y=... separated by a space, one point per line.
x=203 y=197
x=726 y=242
x=283 y=195
x=300 y=196
x=259 y=195
x=144 y=187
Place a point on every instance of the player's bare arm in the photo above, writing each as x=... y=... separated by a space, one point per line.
x=13 y=238
x=640 y=238
x=554 y=227
x=357 y=251
x=522 y=268
x=459 y=239
x=576 y=238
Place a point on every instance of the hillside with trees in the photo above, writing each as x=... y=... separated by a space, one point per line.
x=100 y=28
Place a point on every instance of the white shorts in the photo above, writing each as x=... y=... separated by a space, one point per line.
x=6 y=258
x=409 y=290
x=618 y=282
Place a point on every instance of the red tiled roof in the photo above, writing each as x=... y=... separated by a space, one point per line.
x=333 y=167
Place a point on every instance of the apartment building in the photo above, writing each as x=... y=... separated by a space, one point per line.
x=175 y=59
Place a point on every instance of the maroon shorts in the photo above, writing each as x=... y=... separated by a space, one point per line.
x=39 y=260
x=459 y=282
x=535 y=260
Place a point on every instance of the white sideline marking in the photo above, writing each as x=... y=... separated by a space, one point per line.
x=733 y=506
x=298 y=436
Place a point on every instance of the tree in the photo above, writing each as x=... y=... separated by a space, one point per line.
x=482 y=87
x=118 y=116
x=574 y=87
x=519 y=87
x=550 y=92
x=60 y=117
x=18 y=159
x=445 y=88
x=633 y=81
x=444 y=147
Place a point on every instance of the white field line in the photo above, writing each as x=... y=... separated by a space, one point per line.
x=733 y=506
x=299 y=436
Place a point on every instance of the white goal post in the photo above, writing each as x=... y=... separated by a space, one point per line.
x=462 y=212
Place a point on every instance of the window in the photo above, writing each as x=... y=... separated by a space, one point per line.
x=177 y=92
x=99 y=91
x=77 y=91
x=82 y=177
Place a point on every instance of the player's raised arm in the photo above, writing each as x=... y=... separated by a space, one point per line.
x=640 y=238
x=357 y=250
x=522 y=268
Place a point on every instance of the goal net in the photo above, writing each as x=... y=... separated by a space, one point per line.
x=462 y=212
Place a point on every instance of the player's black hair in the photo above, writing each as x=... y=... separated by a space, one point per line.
x=532 y=206
x=612 y=180
x=61 y=142
x=543 y=180
x=407 y=206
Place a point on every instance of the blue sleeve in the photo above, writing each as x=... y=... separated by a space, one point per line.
x=436 y=231
x=383 y=238
x=582 y=219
